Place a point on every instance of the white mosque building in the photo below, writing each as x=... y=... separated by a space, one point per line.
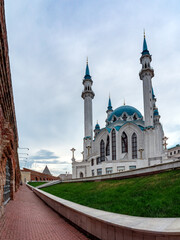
x=129 y=140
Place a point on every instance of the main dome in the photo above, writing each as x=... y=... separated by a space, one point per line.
x=129 y=110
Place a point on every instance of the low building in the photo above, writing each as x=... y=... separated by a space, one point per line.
x=25 y=177
x=66 y=176
x=9 y=163
x=35 y=176
x=174 y=152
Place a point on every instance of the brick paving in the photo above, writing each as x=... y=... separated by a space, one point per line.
x=29 y=218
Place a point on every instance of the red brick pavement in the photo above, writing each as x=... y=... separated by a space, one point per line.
x=29 y=218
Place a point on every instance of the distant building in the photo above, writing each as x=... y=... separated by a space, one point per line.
x=25 y=176
x=66 y=176
x=46 y=170
x=9 y=167
x=174 y=152
x=35 y=176
x=129 y=140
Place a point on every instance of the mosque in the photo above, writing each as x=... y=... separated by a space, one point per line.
x=129 y=140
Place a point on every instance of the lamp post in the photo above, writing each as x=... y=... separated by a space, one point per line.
x=141 y=151
x=73 y=150
x=165 y=142
x=88 y=148
x=82 y=155
x=23 y=148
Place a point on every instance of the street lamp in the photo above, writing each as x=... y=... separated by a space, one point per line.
x=24 y=148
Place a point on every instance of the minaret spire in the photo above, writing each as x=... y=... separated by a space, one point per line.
x=109 y=108
x=87 y=74
x=145 y=48
x=87 y=95
x=109 y=104
x=146 y=74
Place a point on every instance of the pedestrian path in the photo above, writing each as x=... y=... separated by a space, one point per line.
x=29 y=218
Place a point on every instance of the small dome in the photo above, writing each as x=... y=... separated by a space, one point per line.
x=156 y=113
x=125 y=109
x=97 y=126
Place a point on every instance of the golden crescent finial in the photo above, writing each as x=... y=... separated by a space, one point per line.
x=87 y=60
x=124 y=102
x=144 y=34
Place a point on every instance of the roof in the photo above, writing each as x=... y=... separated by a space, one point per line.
x=124 y=109
x=87 y=74
x=46 y=170
x=97 y=126
x=109 y=104
x=156 y=113
x=145 y=49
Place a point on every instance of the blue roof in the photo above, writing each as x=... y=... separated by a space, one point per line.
x=145 y=49
x=109 y=104
x=124 y=109
x=156 y=113
x=97 y=126
x=87 y=74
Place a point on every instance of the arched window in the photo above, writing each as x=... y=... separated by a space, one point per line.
x=124 y=117
x=113 y=145
x=92 y=162
x=102 y=151
x=114 y=119
x=134 y=117
x=124 y=143
x=81 y=175
x=134 y=146
x=107 y=147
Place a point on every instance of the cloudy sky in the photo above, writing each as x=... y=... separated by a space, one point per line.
x=49 y=41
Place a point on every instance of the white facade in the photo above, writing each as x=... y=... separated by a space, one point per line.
x=128 y=140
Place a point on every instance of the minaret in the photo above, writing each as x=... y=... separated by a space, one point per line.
x=155 y=109
x=109 y=109
x=96 y=130
x=146 y=74
x=87 y=95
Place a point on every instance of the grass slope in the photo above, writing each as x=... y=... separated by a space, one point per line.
x=36 y=184
x=151 y=196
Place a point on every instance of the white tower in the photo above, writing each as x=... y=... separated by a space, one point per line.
x=146 y=74
x=87 y=95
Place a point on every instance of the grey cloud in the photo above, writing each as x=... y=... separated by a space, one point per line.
x=44 y=154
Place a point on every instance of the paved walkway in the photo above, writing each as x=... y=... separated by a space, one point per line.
x=29 y=218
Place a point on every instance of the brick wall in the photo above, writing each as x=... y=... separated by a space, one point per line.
x=38 y=176
x=8 y=125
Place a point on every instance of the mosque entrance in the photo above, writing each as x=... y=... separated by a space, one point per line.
x=7 y=186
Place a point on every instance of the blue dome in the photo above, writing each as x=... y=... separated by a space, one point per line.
x=124 y=109
x=97 y=126
x=156 y=113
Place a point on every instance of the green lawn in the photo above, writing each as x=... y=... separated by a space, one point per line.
x=152 y=196
x=36 y=184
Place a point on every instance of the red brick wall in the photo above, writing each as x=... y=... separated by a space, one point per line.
x=37 y=176
x=8 y=125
